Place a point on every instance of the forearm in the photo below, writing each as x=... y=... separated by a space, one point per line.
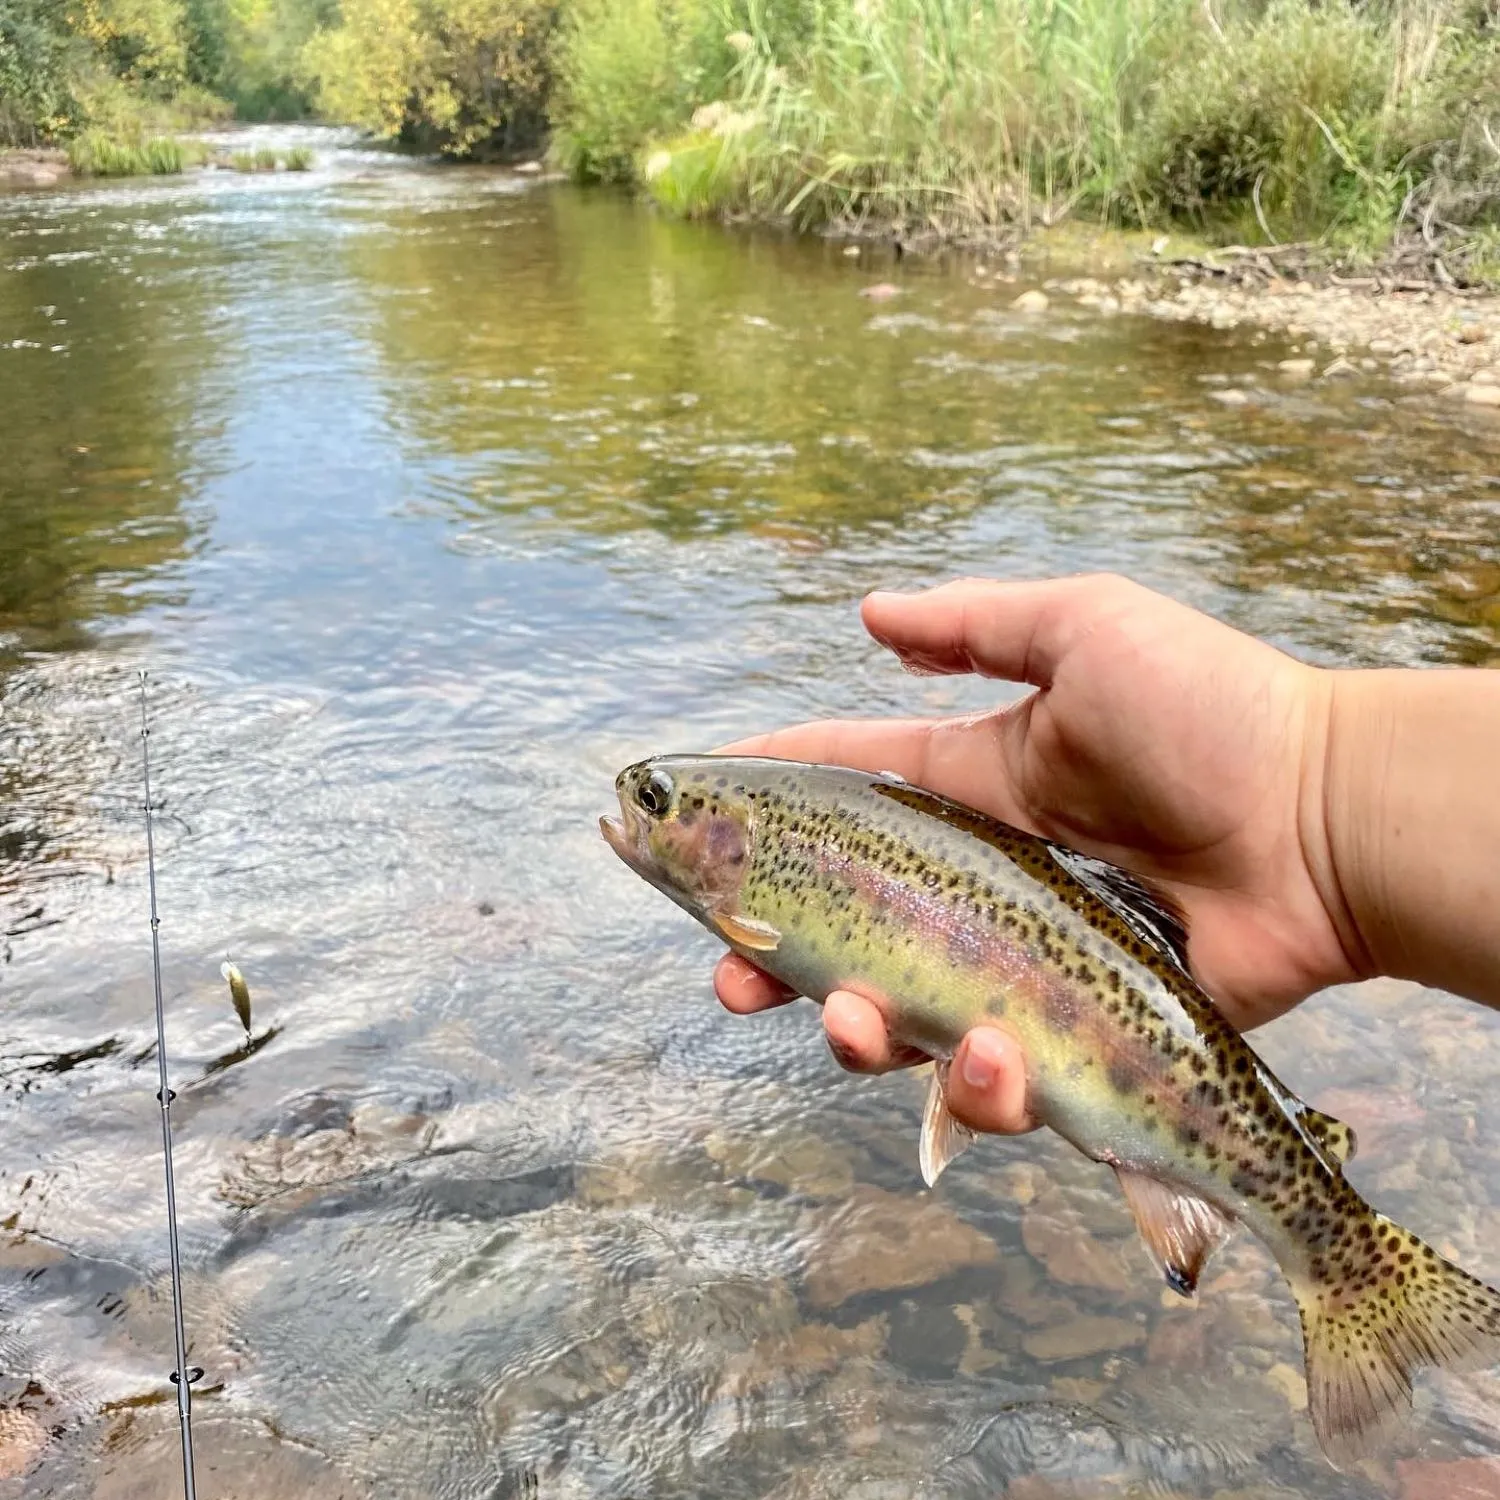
x=1411 y=815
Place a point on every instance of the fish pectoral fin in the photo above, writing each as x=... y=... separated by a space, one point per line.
x=747 y=932
x=944 y=1139
x=1180 y=1229
x=1335 y=1137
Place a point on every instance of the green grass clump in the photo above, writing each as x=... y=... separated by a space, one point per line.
x=243 y=161
x=265 y=161
x=93 y=153
x=299 y=159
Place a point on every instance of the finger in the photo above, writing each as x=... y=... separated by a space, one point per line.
x=1015 y=631
x=857 y=1036
x=987 y=1083
x=744 y=989
x=957 y=757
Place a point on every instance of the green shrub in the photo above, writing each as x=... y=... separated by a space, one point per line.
x=630 y=73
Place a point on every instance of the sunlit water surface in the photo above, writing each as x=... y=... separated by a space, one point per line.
x=430 y=497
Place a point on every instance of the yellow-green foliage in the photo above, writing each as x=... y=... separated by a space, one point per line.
x=631 y=72
x=454 y=73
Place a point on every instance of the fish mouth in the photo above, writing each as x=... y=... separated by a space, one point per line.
x=627 y=837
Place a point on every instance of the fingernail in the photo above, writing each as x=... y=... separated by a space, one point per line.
x=982 y=1060
x=842 y=1055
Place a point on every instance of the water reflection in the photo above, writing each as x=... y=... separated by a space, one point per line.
x=430 y=498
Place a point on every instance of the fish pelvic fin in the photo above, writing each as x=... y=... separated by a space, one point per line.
x=759 y=937
x=1378 y=1313
x=943 y=1138
x=1334 y=1136
x=1180 y=1229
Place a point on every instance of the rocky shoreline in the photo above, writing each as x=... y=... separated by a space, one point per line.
x=1431 y=337
x=38 y=167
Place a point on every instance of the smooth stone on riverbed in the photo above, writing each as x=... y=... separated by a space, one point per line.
x=1031 y=302
x=1482 y=395
x=1082 y=1336
x=879 y=1241
x=1055 y=1233
x=1297 y=369
x=1232 y=397
x=1460 y=1479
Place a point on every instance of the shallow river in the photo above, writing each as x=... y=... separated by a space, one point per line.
x=430 y=498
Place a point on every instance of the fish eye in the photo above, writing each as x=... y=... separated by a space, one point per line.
x=655 y=793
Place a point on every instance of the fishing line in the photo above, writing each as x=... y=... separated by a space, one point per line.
x=181 y=1377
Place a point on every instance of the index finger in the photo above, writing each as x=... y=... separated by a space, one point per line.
x=959 y=758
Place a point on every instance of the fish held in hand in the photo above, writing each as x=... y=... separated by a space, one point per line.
x=830 y=879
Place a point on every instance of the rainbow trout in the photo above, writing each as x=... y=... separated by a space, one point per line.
x=835 y=879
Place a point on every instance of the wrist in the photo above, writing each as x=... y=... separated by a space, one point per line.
x=1342 y=795
x=1411 y=816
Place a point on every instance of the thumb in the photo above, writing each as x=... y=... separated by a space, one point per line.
x=987 y=1083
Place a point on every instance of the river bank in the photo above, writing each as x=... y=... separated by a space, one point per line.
x=1421 y=334
x=43 y=166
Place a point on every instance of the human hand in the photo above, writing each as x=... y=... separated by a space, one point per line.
x=1159 y=739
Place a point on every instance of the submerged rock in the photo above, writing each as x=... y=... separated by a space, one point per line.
x=879 y=1241
x=1055 y=1232
x=1082 y=1336
x=1031 y=302
x=1456 y=1479
x=22 y=1439
x=240 y=1460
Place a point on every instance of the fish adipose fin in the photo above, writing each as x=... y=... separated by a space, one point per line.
x=943 y=1138
x=1380 y=1311
x=1180 y=1230
x=1335 y=1137
x=747 y=932
x=1141 y=905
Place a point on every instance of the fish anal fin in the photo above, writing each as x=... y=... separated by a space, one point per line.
x=1335 y=1137
x=1147 y=909
x=1180 y=1229
x=761 y=937
x=943 y=1138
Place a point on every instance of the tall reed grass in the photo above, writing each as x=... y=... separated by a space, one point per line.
x=1277 y=119
x=95 y=153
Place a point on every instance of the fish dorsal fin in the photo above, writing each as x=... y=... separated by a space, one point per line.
x=1180 y=1229
x=760 y=937
x=1334 y=1136
x=943 y=1138
x=1142 y=905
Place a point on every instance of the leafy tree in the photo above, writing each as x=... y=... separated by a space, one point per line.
x=460 y=75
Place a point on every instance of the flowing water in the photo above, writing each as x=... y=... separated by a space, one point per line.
x=430 y=497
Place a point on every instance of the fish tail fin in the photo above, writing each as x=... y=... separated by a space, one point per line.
x=1373 y=1316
